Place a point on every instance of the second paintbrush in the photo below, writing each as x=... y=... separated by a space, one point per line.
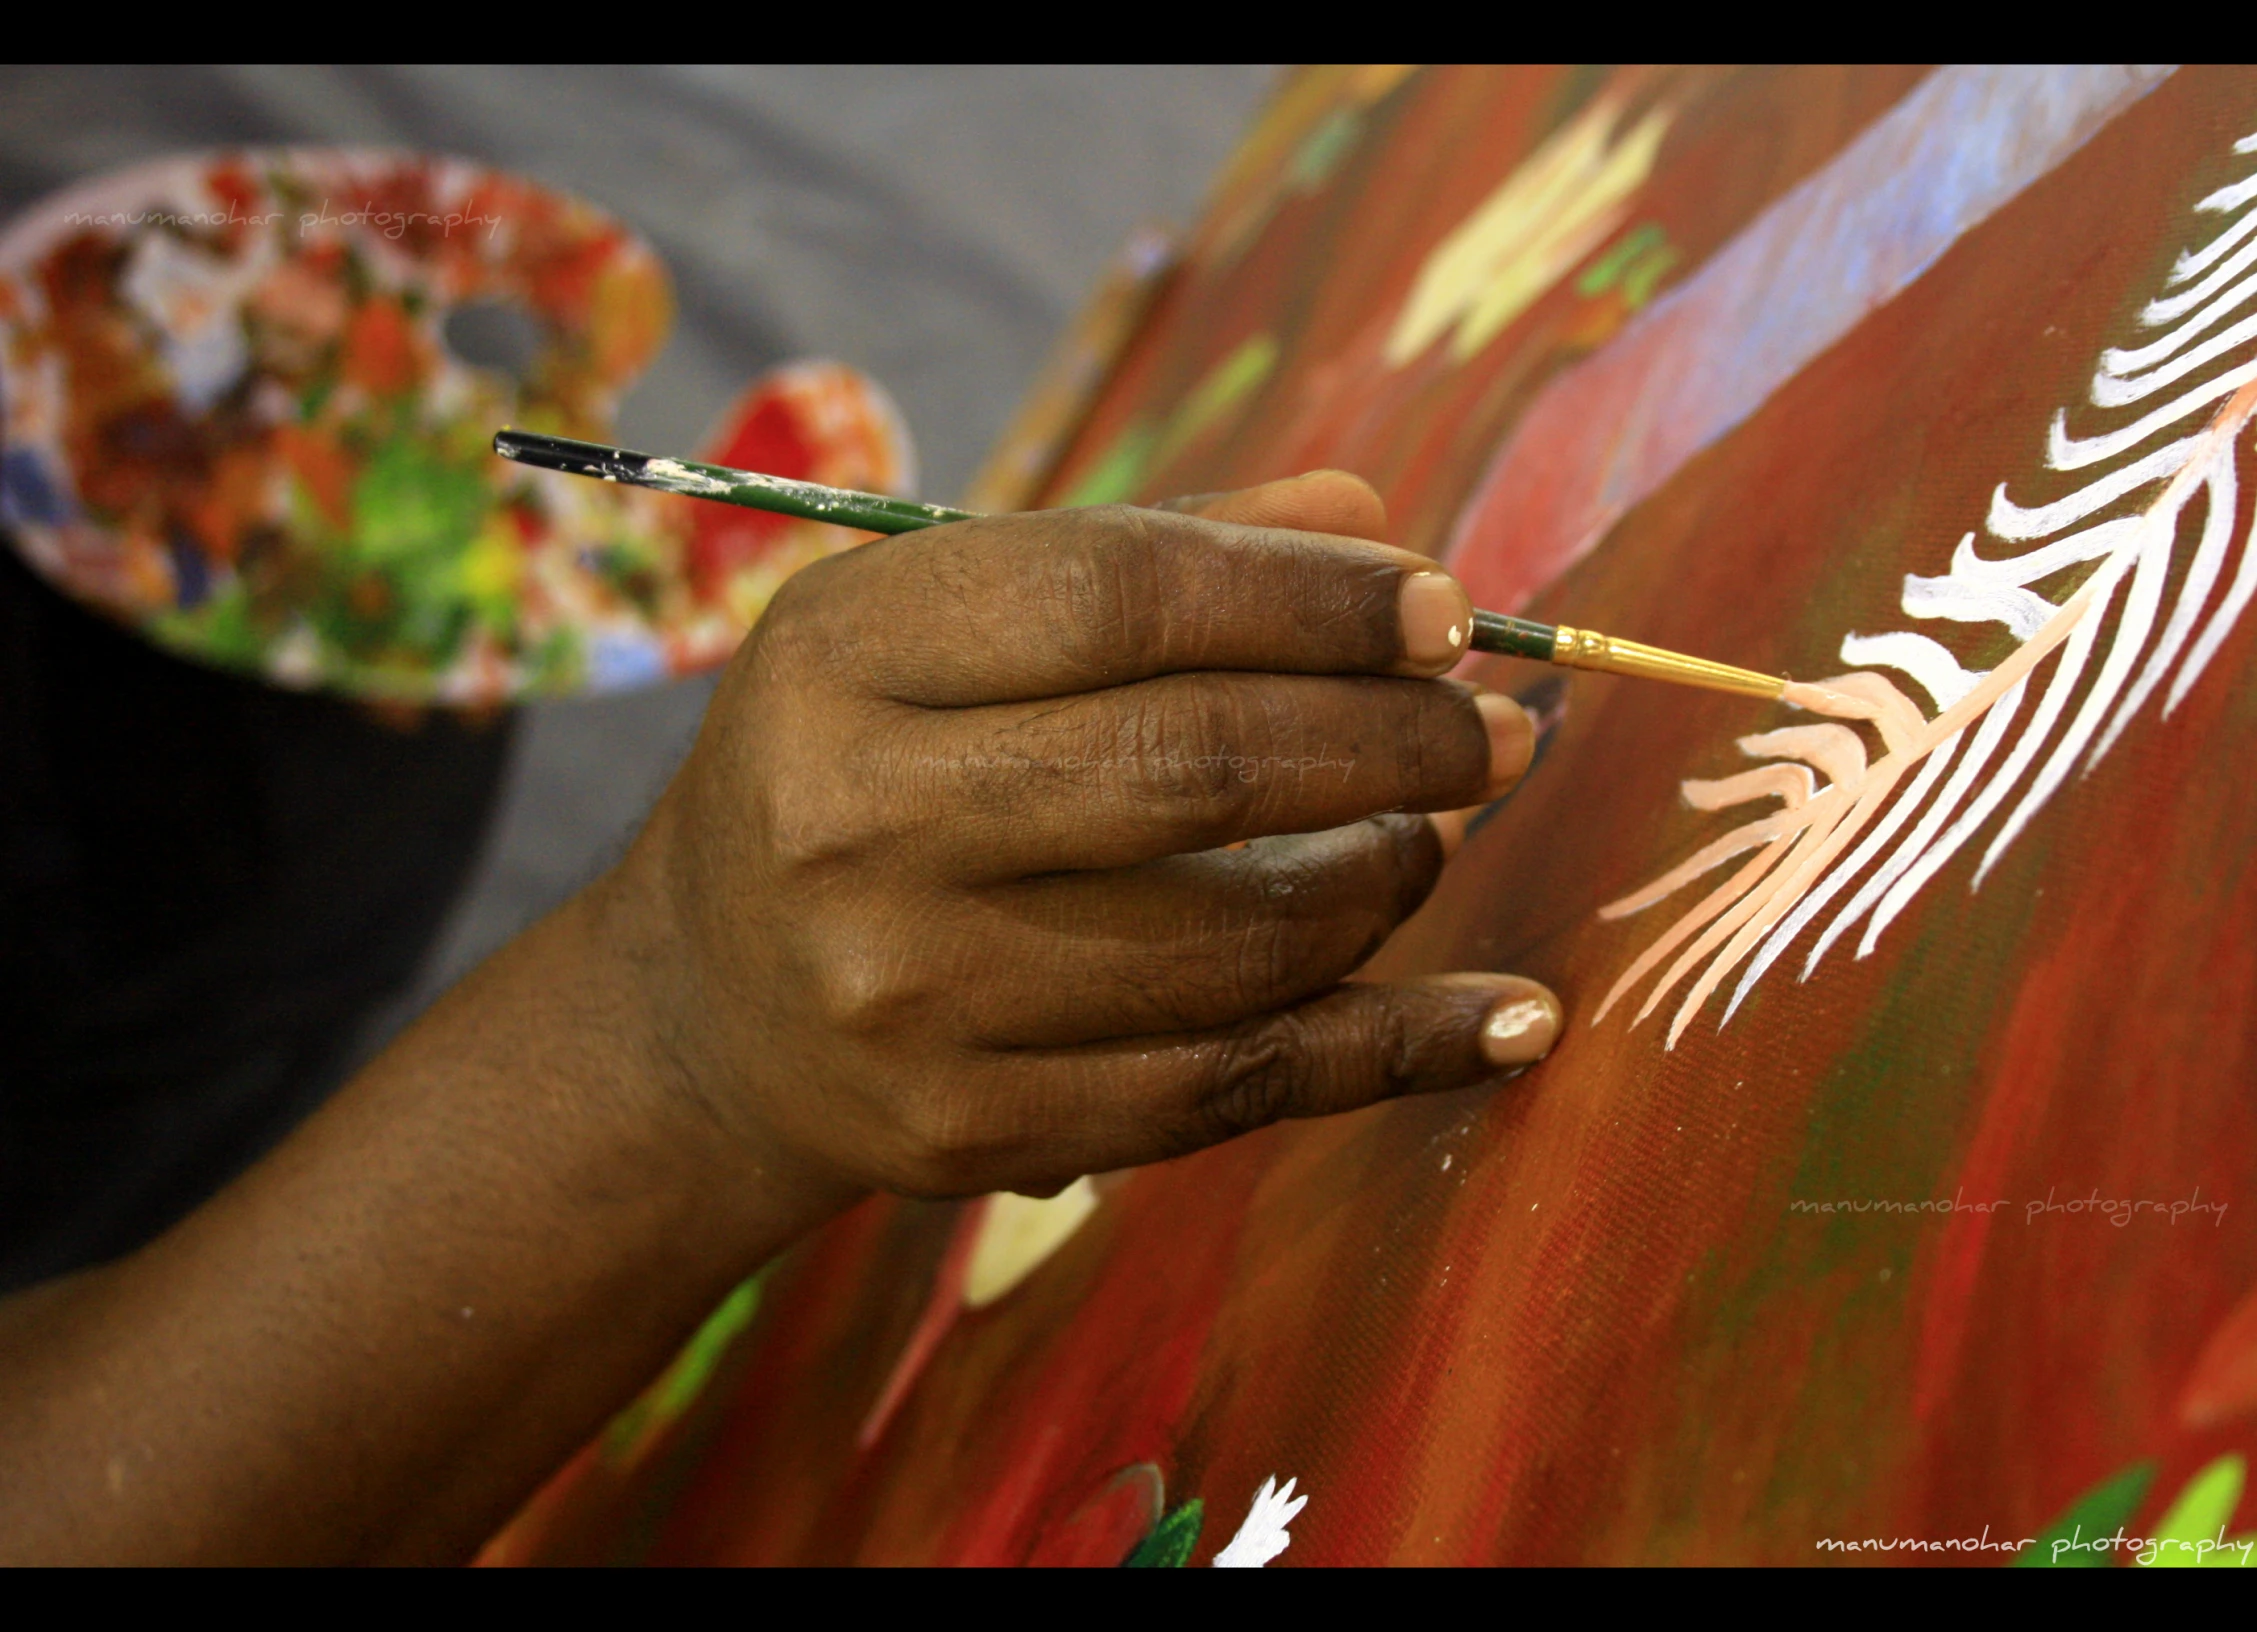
x=878 y=513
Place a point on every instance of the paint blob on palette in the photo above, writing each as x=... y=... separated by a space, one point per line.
x=249 y=403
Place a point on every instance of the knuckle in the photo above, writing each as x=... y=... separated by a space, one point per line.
x=1352 y=605
x=1253 y=970
x=928 y=1125
x=865 y=985
x=1391 y=1046
x=959 y=578
x=800 y=595
x=1256 y=1078
x=1155 y=989
x=1103 y=579
x=1293 y=1067
x=1267 y=959
x=1187 y=752
x=796 y=623
x=916 y=1128
x=818 y=829
x=854 y=788
x=1327 y=905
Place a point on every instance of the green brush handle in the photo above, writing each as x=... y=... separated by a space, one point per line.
x=1513 y=637
x=867 y=512
x=876 y=513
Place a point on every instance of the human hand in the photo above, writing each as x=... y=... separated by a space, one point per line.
x=953 y=883
x=1013 y=850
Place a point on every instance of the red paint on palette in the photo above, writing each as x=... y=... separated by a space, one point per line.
x=765 y=433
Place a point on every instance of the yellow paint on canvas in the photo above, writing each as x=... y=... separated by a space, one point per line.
x=1018 y=1233
x=1569 y=196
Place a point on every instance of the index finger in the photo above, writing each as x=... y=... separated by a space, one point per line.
x=1318 y=501
x=1050 y=603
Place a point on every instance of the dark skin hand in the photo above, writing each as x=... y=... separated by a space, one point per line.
x=950 y=897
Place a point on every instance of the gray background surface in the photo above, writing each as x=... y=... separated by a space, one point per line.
x=934 y=226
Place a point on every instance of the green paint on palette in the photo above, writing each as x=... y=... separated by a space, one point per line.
x=2100 y=1511
x=414 y=510
x=1169 y=1545
x=2190 y=1529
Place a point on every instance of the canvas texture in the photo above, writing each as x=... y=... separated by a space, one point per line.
x=1899 y=1205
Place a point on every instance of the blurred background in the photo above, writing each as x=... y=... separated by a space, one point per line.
x=933 y=227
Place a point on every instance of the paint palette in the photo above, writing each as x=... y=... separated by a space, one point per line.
x=249 y=398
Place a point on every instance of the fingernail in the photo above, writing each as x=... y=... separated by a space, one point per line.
x=1512 y=740
x=1521 y=1030
x=1437 y=618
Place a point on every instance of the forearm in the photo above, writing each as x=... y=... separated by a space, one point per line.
x=379 y=1339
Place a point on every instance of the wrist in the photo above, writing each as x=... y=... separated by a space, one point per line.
x=696 y=1087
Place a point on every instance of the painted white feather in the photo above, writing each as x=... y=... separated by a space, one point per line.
x=1973 y=599
x=2012 y=522
x=1990 y=794
x=1881 y=830
x=1784 y=933
x=1930 y=663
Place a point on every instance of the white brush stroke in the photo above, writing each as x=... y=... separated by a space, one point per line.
x=2010 y=521
x=2066 y=452
x=1262 y=1537
x=2163 y=308
x=2222 y=495
x=2192 y=261
x=2108 y=391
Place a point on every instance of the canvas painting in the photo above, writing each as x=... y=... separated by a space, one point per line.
x=1890 y=1195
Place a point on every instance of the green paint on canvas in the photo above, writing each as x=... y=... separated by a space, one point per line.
x=1120 y=471
x=1141 y=450
x=2192 y=1526
x=1225 y=386
x=1323 y=148
x=1169 y=1545
x=663 y=1403
x=2100 y=1511
x=1635 y=263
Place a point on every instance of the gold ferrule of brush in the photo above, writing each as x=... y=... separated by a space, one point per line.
x=1588 y=649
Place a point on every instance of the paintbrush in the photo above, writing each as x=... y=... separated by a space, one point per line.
x=876 y=513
